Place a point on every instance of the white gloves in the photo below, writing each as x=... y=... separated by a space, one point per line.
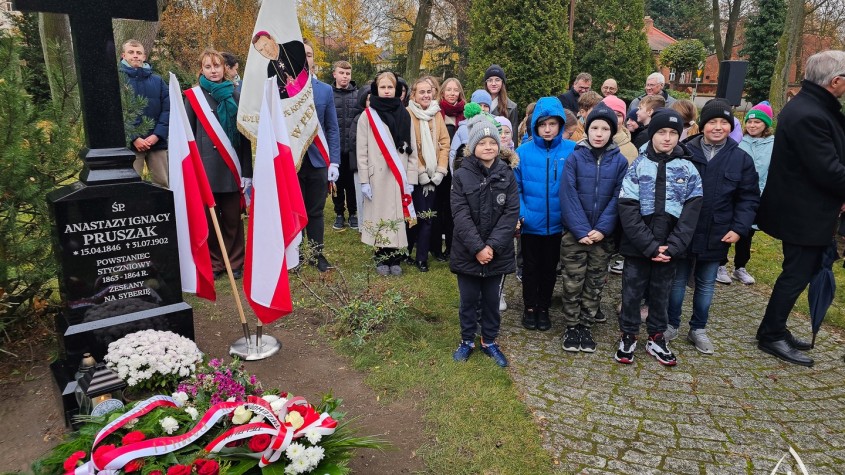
x=428 y=188
x=334 y=172
x=424 y=179
x=438 y=177
x=410 y=188
x=246 y=183
x=367 y=191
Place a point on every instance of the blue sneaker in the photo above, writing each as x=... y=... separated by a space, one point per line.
x=492 y=350
x=463 y=351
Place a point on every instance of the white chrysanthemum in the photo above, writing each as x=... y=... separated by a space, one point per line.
x=180 y=397
x=169 y=424
x=278 y=405
x=290 y=470
x=295 y=451
x=131 y=423
x=301 y=465
x=313 y=435
x=269 y=398
x=315 y=454
x=193 y=412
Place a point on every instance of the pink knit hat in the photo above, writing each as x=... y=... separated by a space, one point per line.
x=762 y=111
x=616 y=105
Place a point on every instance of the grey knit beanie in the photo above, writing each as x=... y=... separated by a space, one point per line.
x=480 y=127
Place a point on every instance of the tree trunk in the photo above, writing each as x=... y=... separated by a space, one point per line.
x=59 y=61
x=143 y=31
x=717 y=31
x=462 y=36
x=787 y=49
x=417 y=42
x=730 y=33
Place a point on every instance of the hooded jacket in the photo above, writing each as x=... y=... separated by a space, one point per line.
x=623 y=140
x=760 y=150
x=485 y=207
x=659 y=203
x=731 y=197
x=152 y=87
x=539 y=173
x=346 y=106
x=590 y=189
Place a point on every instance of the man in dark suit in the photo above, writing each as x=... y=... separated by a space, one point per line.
x=581 y=84
x=804 y=194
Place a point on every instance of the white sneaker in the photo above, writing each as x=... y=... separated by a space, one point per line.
x=502 y=304
x=701 y=341
x=617 y=267
x=722 y=276
x=743 y=276
x=671 y=333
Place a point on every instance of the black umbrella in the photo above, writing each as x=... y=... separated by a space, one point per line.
x=822 y=288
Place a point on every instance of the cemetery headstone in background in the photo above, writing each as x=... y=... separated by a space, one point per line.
x=115 y=235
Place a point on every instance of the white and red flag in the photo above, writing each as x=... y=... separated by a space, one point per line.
x=191 y=194
x=277 y=214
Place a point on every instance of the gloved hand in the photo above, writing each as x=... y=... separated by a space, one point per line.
x=424 y=179
x=438 y=177
x=428 y=188
x=410 y=189
x=246 y=182
x=334 y=172
x=367 y=191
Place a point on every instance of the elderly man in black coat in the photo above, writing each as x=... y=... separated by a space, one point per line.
x=804 y=194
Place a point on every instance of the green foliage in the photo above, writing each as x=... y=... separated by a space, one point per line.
x=38 y=145
x=685 y=55
x=32 y=57
x=363 y=317
x=683 y=20
x=529 y=40
x=133 y=108
x=761 y=36
x=610 y=42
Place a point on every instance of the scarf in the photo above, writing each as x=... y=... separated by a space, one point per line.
x=429 y=150
x=456 y=110
x=227 y=108
x=396 y=118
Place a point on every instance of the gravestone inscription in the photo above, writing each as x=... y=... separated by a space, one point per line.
x=114 y=235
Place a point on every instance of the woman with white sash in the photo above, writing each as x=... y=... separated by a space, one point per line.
x=431 y=140
x=387 y=169
x=212 y=109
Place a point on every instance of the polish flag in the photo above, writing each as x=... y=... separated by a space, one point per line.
x=191 y=194
x=277 y=215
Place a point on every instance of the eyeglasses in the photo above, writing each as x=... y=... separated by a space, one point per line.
x=494 y=80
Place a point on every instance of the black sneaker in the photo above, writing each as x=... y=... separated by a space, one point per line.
x=572 y=340
x=463 y=351
x=353 y=222
x=339 y=223
x=529 y=319
x=543 y=321
x=658 y=348
x=588 y=345
x=422 y=266
x=322 y=264
x=627 y=346
x=600 y=317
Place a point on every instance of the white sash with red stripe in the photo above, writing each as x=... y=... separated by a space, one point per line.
x=397 y=168
x=215 y=131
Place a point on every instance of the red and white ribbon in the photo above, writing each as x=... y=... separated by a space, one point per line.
x=397 y=168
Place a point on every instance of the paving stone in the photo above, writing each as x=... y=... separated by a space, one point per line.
x=734 y=412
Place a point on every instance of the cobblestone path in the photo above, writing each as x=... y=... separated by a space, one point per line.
x=735 y=412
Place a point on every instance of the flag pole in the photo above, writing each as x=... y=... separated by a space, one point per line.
x=212 y=210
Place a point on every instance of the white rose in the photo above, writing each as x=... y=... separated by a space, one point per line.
x=270 y=398
x=278 y=405
x=242 y=415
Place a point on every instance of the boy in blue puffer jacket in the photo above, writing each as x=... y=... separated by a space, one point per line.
x=588 y=195
x=538 y=177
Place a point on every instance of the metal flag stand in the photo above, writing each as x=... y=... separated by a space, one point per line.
x=248 y=347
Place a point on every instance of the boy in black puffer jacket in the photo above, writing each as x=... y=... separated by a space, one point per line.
x=485 y=207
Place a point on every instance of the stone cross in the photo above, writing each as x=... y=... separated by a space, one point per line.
x=96 y=63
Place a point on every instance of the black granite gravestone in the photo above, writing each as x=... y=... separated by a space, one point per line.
x=115 y=236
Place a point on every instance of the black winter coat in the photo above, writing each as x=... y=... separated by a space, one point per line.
x=806 y=183
x=485 y=208
x=346 y=105
x=569 y=99
x=731 y=197
x=363 y=94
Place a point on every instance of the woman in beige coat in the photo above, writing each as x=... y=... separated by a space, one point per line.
x=431 y=141
x=384 y=210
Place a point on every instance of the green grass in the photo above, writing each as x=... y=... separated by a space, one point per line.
x=765 y=266
x=473 y=420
